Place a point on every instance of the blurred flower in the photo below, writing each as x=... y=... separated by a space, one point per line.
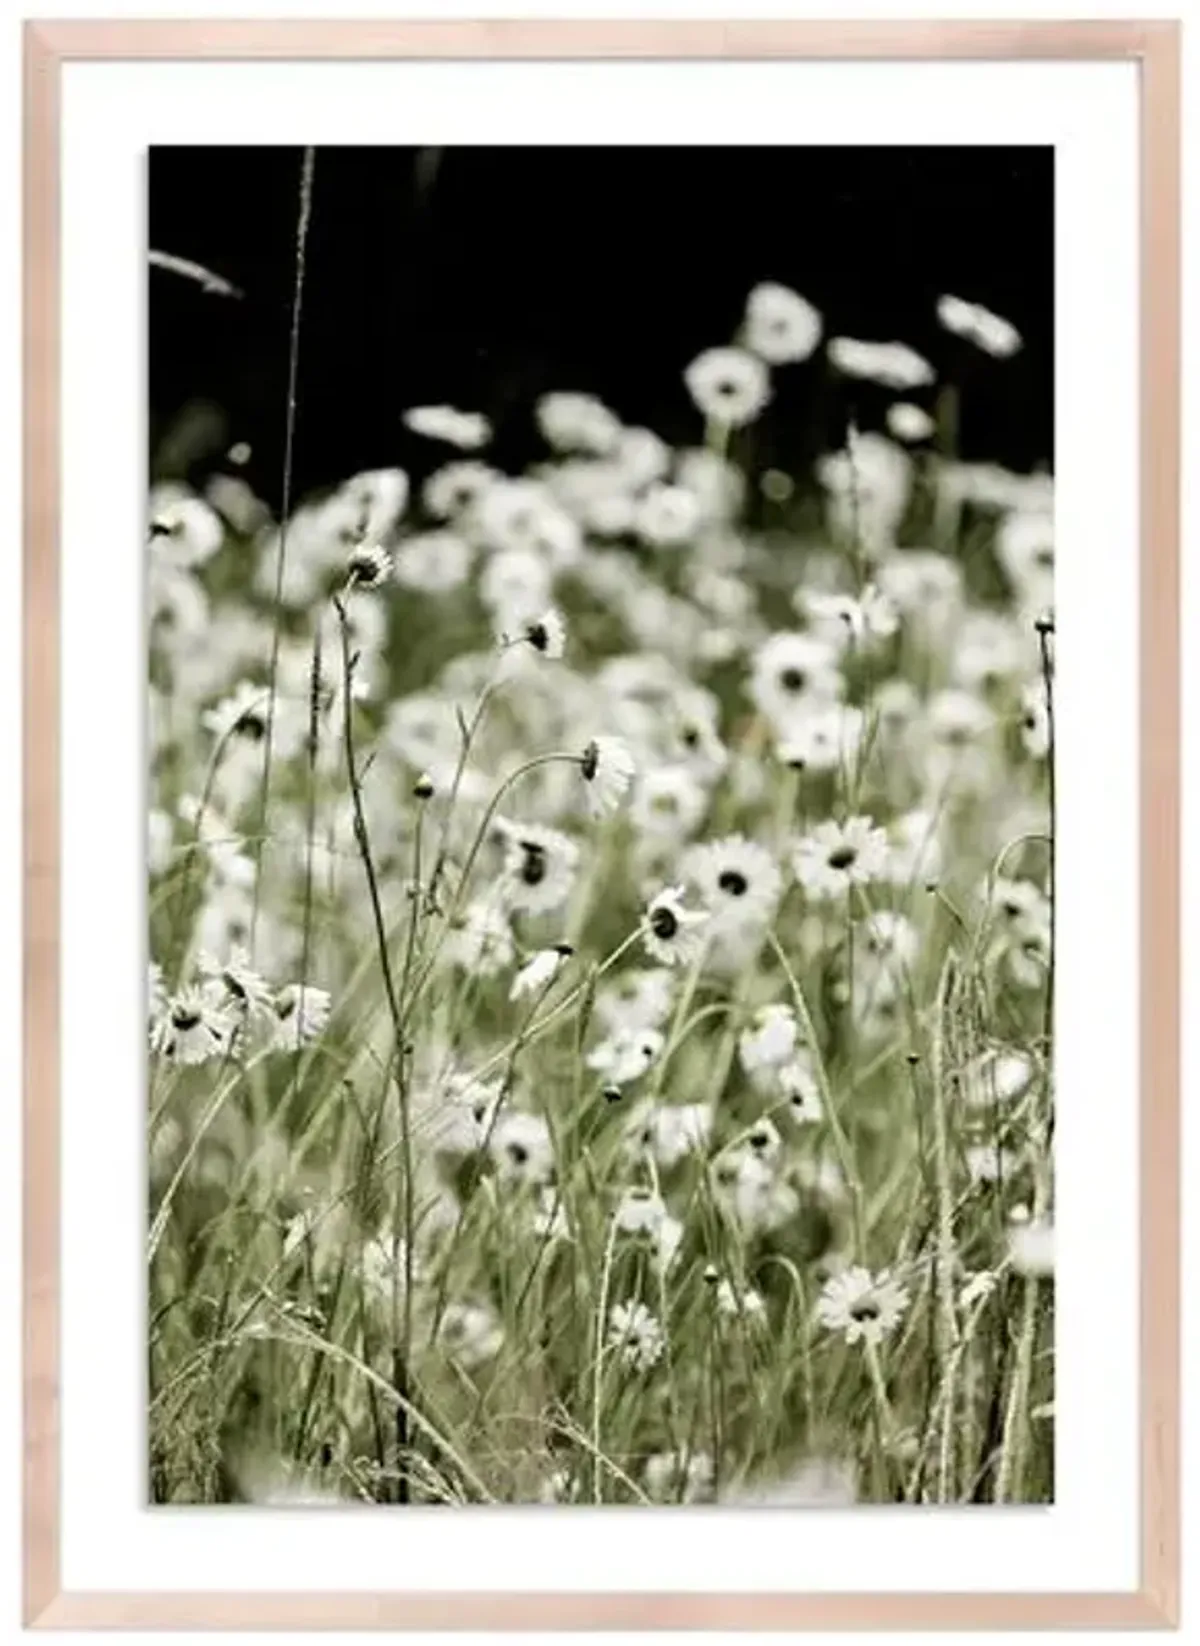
x=471 y=1334
x=894 y=365
x=454 y=489
x=368 y=565
x=539 y=867
x=679 y=1477
x=466 y=430
x=979 y=326
x=768 y=1043
x=432 y=562
x=547 y=633
x=479 y=940
x=536 y=974
x=183 y=529
x=301 y=1013
x=626 y=1055
x=910 y=423
x=194 y=1026
x=780 y=326
x=1031 y=1249
x=578 y=423
x=521 y=1149
x=729 y=386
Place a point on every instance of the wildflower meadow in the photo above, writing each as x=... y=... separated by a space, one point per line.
x=601 y=931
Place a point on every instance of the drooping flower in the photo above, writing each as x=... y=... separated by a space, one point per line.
x=672 y=933
x=540 y=971
x=608 y=768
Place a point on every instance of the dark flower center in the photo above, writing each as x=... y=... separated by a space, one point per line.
x=590 y=763
x=733 y=882
x=533 y=869
x=284 y=1008
x=868 y=1309
x=252 y=725
x=841 y=857
x=518 y=1153
x=234 y=987
x=759 y=1140
x=184 y=1019
x=792 y=680
x=664 y=924
x=537 y=636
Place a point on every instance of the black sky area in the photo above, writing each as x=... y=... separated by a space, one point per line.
x=485 y=277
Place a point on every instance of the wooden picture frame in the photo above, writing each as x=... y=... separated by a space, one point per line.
x=1154 y=47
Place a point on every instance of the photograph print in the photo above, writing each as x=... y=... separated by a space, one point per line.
x=600 y=826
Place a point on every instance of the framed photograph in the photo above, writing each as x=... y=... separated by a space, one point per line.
x=601 y=825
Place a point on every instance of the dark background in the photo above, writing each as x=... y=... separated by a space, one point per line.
x=485 y=277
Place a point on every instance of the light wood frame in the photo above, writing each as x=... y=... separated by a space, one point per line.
x=1154 y=46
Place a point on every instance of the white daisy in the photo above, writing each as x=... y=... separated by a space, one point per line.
x=780 y=326
x=673 y=934
x=547 y=633
x=668 y=803
x=183 y=529
x=768 y=1043
x=980 y=326
x=801 y=1090
x=301 y=1015
x=608 y=769
x=539 y=867
x=729 y=386
x=249 y=994
x=638 y=999
x=738 y=880
x=471 y=1334
x=432 y=562
x=626 y=1055
x=520 y=1148
x=454 y=489
x=667 y=516
x=479 y=940
x=195 y=1025
x=836 y=856
x=894 y=365
x=538 y=973
x=791 y=671
x=1035 y=720
x=578 y=423
x=636 y=1334
x=914 y=850
x=466 y=430
x=862 y=1306
x=368 y=565
x=672 y=1131
x=910 y=423
x=821 y=738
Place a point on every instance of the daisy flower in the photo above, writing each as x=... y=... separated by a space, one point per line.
x=539 y=867
x=248 y=993
x=1035 y=721
x=821 y=738
x=738 y=880
x=914 y=850
x=368 y=566
x=301 y=1013
x=667 y=516
x=894 y=365
x=636 y=1334
x=836 y=856
x=432 y=562
x=547 y=634
x=668 y=803
x=578 y=423
x=471 y=1334
x=862 y=1306
x=988 y=331
x=910 y=423
x=466 y=430
x=183 y=528
x=801 y=1090
x=539 y=972
x=729 y=386
x=672 y=933
x=673 y=1131
x=194 y=1026
x=791 y=670
x=780 y=326
x=479 y=940
x=608 y=768
x=626 y=1055
x=520 y=1149
x=453 y=489
x=768 y=1043
x=638 y=999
